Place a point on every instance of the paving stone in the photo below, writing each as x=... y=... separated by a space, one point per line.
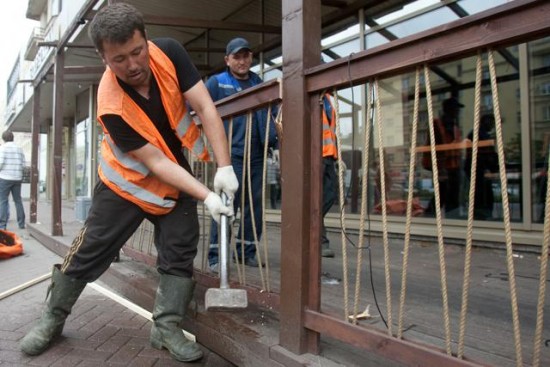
x=50 y=356
x=143 y=361
x=114 y=343
x=125 y=353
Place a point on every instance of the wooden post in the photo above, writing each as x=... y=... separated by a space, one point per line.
x=58 y=104
x=301 y=49
x=35 y=139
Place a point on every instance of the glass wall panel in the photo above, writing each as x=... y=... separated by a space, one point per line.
x=423 y=22
x=539 y=98
x=346 y=48
x=452 y=88
x=83 y=149
x=476 y=6
x=374 y=39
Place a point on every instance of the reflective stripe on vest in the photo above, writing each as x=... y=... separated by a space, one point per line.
x=126 y=159
x=133 y=189
x=190 y=135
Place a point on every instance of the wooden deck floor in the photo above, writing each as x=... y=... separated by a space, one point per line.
x=489 y=334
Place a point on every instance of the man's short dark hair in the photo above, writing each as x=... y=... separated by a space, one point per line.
x=7 y=136
x=115 y=23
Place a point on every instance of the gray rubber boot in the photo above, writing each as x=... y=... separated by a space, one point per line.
x=173 y=297
x=63 y=292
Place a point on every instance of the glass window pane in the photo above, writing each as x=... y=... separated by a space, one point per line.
x=539 y=97
x=374 y=39
x=453 y=122
x=346 y=48
x=476 y=6
x=423 y=22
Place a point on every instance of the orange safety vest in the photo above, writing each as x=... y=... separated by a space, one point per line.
x=10 y=244
x=123 y=174
x=329 y=128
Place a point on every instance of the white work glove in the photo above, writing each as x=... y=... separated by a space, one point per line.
x=276 y=155
x=216 y=207
x=225 y=180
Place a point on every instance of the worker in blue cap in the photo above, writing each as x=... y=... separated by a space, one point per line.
x=237 y=77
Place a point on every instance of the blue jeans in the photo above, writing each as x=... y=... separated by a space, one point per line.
x=7 y=186
x=257 y=168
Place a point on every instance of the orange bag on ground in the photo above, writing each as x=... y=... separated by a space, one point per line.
x=10 y=244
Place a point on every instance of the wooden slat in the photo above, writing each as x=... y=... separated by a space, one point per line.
x=250 y=99
x=403 y=351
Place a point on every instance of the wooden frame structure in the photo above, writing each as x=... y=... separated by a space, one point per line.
x=303 y=81
x=301 y=321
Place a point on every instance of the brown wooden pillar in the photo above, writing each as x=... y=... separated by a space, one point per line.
x=301 y=49
x=35 y=139
x=57 y=224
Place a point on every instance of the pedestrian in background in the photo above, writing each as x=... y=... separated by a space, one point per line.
x=12 y=161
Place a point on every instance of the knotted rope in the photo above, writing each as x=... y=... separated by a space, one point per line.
x=441 y=248
x=412 y=164
x=506 y=210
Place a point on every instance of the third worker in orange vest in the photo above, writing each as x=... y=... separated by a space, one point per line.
x=330 y=179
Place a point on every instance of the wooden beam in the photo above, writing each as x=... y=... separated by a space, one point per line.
x=250 y=99
x=204 y=24
x=334 y=3
x=366 y=337
x=210 y=24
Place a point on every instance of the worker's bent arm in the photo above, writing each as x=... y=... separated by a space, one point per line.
x=169 y=172
x=201 y=102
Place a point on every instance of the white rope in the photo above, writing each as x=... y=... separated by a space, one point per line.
x=364 y=202
x=471 y=206
x=441 y=246
x=342 y=209
x=385 y=240
x=506 y=210
x=412 y=166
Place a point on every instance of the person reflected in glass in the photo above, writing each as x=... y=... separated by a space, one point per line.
x=447 y=131
x=487 y=165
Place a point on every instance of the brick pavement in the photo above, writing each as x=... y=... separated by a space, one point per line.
x=99 y=331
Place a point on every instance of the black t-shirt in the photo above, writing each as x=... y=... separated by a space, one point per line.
x=124 y=136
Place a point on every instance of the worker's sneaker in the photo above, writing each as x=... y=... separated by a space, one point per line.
x=214 y=268
x=327 y=252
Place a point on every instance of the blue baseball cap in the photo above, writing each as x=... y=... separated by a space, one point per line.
x=235 y=45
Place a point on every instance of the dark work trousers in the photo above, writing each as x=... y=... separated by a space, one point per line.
x=111 y=222
x=449 y=192
x=257 y=168
x=330 y=187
